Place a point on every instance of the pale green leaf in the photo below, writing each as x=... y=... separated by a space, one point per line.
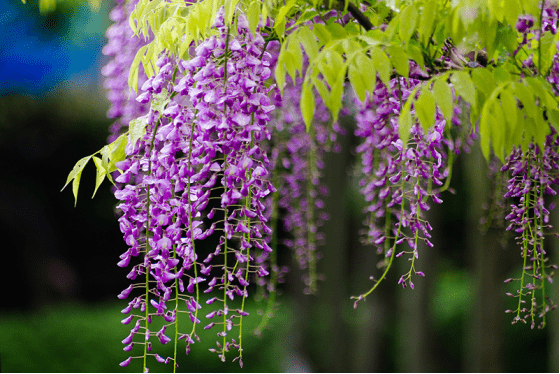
x=407 y=24
x=280 y=22
x=100 y=175
x=75 y=176
x=367 y=71
x=137 y=129
x=427 y=19
x=525 y=95
x=307 y=104
x=509 y=106
x=253 y=14
x=484 y=131
x=307 y=39
x=160 y=101
x=498 y=130
x=356 y=80
x=399 y=58
x=330 y=66
x=337 y=31
x=382 y=64
x=294 y=48
x=548 y=49
x=322 y=33
x=321 y=87
x=425 y=108
x=512 y=11
x=464 y=86
x=336 y=94
x=501 y=75
x=229 y=10
x=415 y=53
x=77 y=169
x=133 y=73
x=444 y=97
x=116 y=152
x=405 y=118
x=483 y=80
x=405 y=122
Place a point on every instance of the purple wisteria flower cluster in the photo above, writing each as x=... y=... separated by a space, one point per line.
x=533 y=174
x=121 y=47
x=199 y=169
x=399 y=180
x=299 y=156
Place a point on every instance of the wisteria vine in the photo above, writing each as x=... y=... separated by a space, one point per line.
x=214 y=151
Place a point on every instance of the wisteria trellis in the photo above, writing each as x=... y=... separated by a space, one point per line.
x=213 y=148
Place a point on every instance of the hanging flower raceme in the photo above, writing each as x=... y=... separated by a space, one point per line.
x=121 y=47
x=399 y=180
x=299 y=161
x=202 y=142
x=533 y=174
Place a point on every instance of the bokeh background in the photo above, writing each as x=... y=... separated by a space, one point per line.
x=59 y=311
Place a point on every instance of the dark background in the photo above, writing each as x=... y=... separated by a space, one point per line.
x=59 y=311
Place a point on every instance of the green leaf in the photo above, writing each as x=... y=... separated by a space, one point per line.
x=229 y=8
x=405 y=118
x=137 y=129
x=336 y=94
x=483 y=80
x=289 y=61
x=415 y=53
x=75 y=175
x=367 y=71
x=512 y=11
x=105 y=151
x=337 y=31
x=407 y=25
x=100 y=175
x=133 y=73
x=405 y=123
x=382 y=64
x=307 y=104
x=306 y=37
x=399 y=58
x=444 y=97
x=525 y=95
x=511 y=123
x=116 y=152
x=548 y=49
x=485 y=130
x=425 y=108
x=427 y=19
x=253 y=14
x=322 y=33
x=501 y=75
x=160 y=101
x=330 y=66
x=356 y=80
x=280 y=22
x=464 y=86
x=297 y=57
x=497 y=130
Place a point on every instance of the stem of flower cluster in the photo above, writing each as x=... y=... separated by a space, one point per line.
x=191 y=227
x=146 y=300
x=248 y=237
x=310 y=214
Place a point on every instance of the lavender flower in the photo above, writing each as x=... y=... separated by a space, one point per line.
x=121 y=47
x=533 y=174
x=399 y=179
x=203 y=136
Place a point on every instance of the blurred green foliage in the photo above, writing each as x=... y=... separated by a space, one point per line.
x=78 y=337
